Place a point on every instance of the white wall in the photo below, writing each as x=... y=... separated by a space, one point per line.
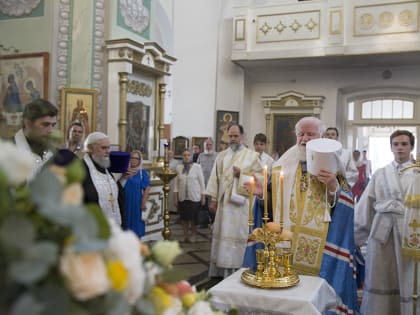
x=195 y=41
x=325 y=83
x=205 y=80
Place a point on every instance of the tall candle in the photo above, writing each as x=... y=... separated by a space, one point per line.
x=251 y=198
x=265 y=193
x=274 y=191
x=281 y=197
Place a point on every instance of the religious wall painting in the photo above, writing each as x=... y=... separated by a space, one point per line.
x=223 y=120
x=199 y=141
x=134 y=16
x=78 y=105
x=284 y=135
x=179 y=144
x=138 y=123
x=23 y=78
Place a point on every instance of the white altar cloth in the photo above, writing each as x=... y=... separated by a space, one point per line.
x=311 y=296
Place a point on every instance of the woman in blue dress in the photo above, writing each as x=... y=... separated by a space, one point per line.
x=136 y=182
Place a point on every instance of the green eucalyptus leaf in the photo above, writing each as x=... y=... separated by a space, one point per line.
x=26 y=304
x=27 y=271
x=174 y=275
x=104 y=230
x=46 y=189
x=17 y=231
x=82 y=223
x=144 y=307
x=56 y=300
x=36 y=263
x=89 y=245
x=4 y=182
x=116 y=304
x=76 y=172
x=43 y=251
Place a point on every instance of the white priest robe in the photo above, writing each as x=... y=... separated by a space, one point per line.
x=230 y=228
x=379 y=219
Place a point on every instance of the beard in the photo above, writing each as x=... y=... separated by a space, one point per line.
x=234 y=146
x=102 y=161
x=302 y=153
x=39 y=145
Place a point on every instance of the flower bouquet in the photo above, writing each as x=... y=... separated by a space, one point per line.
x=58 y=256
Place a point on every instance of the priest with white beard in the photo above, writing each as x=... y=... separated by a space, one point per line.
x=99 y=185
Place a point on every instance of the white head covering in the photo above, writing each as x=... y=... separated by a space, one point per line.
x=93 y=138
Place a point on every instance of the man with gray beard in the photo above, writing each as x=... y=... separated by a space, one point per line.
x=99 y=185
x=230 y=227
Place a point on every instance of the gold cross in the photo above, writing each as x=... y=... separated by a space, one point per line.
x=111 y=200
x=414 y=225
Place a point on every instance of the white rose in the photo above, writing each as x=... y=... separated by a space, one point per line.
x=125 y=246
x=72 y=194
x=165 y=252
x=152 y=271
x=175 y=309
x=200 y=308
x=18 y=165
x=85 y=274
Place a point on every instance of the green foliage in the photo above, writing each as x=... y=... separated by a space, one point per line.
x=58 y=256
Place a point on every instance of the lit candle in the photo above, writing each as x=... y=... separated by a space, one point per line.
x=265 y=194
x=274 y=191
x=281 y=197
x=251 y=198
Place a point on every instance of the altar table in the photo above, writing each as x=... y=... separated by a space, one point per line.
x=311 y=296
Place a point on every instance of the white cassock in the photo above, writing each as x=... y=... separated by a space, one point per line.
x=379 y=217
x=230 y=228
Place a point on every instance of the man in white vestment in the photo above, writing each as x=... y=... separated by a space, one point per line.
x=99 y=185
x=345 y=157
x=230 y=228
x=379 y=219
x=39 y=120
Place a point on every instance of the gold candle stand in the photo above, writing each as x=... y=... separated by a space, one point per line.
x=166 y=175
x=274 y=264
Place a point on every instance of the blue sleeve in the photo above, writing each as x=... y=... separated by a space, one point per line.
x=146 y=178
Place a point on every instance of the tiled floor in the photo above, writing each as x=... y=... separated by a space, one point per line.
x=195 y=256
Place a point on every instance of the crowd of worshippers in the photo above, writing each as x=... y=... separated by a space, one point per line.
x=327 y=226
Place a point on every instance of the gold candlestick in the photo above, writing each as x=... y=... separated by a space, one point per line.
x=281 y=199
x=166 y=174
x=265 y=195
x=251 y=198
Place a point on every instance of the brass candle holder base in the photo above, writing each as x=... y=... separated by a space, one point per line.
x=274 y=261
x=251 y=278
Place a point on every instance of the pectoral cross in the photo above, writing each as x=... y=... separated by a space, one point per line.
x=111 y=201
x=304 y=182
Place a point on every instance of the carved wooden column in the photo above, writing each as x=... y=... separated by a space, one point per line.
x=122 y=124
